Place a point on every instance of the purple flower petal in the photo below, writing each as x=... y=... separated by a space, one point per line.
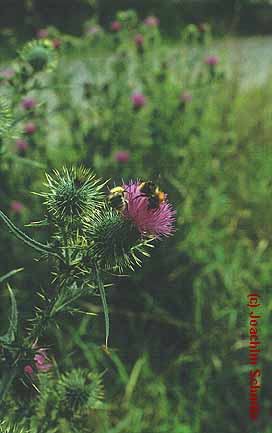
x=155 y=222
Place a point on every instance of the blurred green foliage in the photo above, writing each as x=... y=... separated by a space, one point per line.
x=179 y=357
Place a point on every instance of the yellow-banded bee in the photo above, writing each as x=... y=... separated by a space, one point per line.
x=150 y=190
x=116 y=198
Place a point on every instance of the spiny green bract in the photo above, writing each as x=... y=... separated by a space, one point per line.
x=80 y=391
x=113 y=239
x=74 y=194
x=40 y=55
x=6 y=118
x=7 y=428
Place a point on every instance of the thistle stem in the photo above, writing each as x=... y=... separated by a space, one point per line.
x=100 y=285
x=26 y=239
x=66 y=250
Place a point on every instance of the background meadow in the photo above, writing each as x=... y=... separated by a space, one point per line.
x=188 y=106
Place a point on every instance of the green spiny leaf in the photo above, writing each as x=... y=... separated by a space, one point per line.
x=7 y=378
x=11 y=334
x=26 y=239
x=10 y=274
x=101 y=288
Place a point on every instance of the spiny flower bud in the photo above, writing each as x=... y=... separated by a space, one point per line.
x=80 y=391
x=7 y=428
x=5 y=117
x=112 y=238
x=38 y=58
x=39 y=54
x=74 y=194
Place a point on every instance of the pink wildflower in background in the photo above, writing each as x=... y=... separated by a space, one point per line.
x=186 y=96
x=152 y=21
x=116 y=26
x=21 y=146
x=56 y=43
x=16 y=207
x=28 y=370
x=30 y=128
x=93 y=30
x=28 y=103
x=211 y=60
x=154 y=222
x=139 y=40
x=42 y=363
x=122 y=156
x=138 y=99
x=42 y=34
x=7 y=73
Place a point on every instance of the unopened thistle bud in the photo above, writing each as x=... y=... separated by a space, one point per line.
x=80 y=391
x=73 y=195
x=39 y=54
x=112 y=237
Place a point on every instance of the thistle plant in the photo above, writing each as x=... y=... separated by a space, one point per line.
x=90 y=237
x=72 y=195
x=79 y=391
x=5 y=117
x=6 y=428
x=39 y=55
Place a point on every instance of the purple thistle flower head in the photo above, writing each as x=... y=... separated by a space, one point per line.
x=56 y=43
x=28 y=370
x=42 y=34
x=94 y=29
x=8 y=73
x=186 y=96
x=28 y=103
x=211 y=60
x=41 y=362
x=138 y=99
x=21 y=145
x=139 y=40
x=122 y=156
x=16 y=207
x=150 y=222
x=116 y=26
x=30 y=128
x=152 y=21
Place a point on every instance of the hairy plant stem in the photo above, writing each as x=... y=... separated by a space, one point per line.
x=99 y=283
x=66 y=249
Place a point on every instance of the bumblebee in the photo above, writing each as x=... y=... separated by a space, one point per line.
x=150 y=190
x=116 y=198
x=147 y=188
